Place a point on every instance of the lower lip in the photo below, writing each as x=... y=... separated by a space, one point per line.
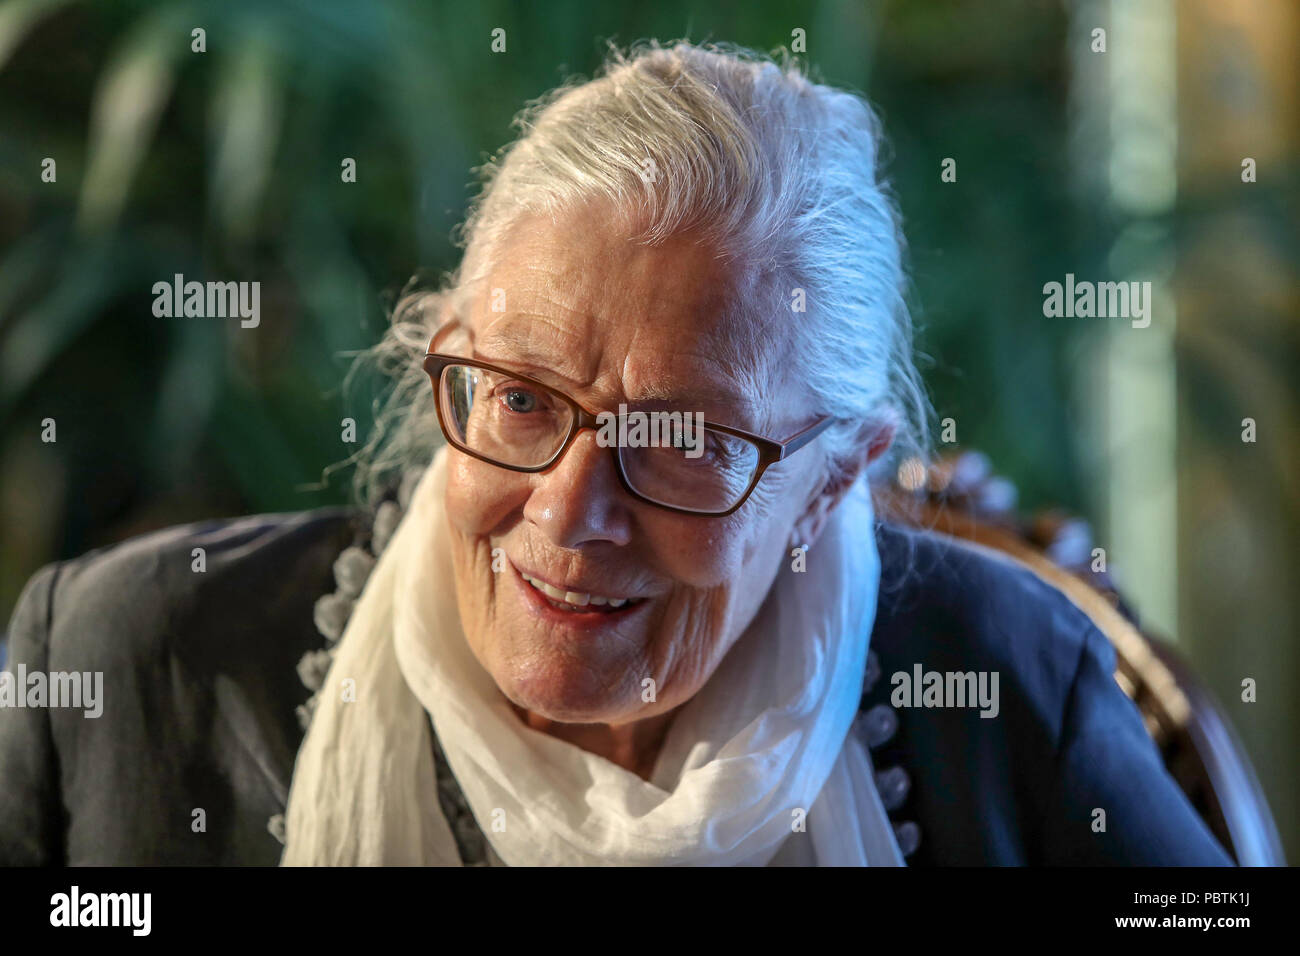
x=587 y=620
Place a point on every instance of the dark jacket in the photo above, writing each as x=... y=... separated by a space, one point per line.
x=201 y=686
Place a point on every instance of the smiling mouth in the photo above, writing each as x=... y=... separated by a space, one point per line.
x=577 y=601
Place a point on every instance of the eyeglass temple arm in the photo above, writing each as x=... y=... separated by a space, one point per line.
x=801 y=438
x=441 y=331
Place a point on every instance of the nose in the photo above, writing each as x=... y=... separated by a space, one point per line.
x=580 y=501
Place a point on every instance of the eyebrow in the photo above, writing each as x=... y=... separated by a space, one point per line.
x=530 y=361
x=516 y=340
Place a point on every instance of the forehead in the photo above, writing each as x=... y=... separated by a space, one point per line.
x=621 y=319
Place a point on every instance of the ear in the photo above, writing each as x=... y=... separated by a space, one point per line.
x=813 y=521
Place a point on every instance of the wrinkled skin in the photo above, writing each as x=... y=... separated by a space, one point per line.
x=607 y=320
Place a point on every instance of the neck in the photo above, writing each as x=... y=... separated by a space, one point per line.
x=633 y=746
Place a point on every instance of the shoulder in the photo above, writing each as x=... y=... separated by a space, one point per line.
x=978 y=660
x=155 y=592
x=1019 y=774
x=963 y=605
x=188 y=639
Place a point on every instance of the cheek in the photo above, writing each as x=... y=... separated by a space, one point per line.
x=480 y=497
x=720 y=554
x=723 y=576
x=480 y=501
x=720 y=580
x=701 y=555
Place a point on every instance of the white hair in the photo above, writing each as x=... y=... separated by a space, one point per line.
x=779 y=172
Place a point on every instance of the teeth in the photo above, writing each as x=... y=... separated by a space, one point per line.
x=576 y=598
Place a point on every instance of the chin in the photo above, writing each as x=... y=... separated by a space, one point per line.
x=567 y=693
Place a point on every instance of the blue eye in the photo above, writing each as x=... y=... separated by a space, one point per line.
x=518 y=400
x=710 y=446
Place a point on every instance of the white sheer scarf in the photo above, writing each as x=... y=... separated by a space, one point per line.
x=759 y=768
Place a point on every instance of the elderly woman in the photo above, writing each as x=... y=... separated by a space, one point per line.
x=620 y=613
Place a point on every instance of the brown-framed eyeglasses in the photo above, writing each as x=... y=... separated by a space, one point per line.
x=680 y=463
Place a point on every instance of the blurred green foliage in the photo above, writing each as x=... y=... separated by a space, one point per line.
x=226 y=164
